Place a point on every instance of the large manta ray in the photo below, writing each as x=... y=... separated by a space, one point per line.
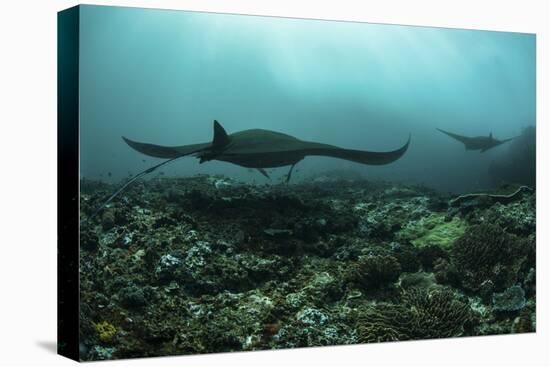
x=481 y=143
x=255 y=148
x=260 y=149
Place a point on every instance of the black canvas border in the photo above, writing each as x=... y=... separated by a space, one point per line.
x=68 y=44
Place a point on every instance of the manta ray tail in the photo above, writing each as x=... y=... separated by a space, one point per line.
x=115 y=194
x=171 y=153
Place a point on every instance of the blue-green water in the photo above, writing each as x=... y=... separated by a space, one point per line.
x=163 y=76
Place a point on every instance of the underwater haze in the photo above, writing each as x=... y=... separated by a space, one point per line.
x=162 y=77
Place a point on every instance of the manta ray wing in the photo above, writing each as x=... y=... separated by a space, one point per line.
x=359 y=156
x=463 y=139
x=161 y=151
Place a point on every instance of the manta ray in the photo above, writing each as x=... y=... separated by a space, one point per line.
x=481 y=143
x=255 y=148
x=260 y=149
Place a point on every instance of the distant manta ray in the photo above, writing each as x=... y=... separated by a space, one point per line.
x=481 y=143
x=258 y=149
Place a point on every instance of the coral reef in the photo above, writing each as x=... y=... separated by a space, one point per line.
x=208 y=264
x=488 y=252
x=106 y=331
x=422 y=314
x=384 y=322
x=512 y=299
x=435 y=229
x=374 y=271
x=438 y=313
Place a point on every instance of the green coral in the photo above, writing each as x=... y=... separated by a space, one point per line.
x=106 y=331
x=434 y=230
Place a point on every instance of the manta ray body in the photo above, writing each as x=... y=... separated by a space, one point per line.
x=255 y=148
x=260 y=149
x=481 y=143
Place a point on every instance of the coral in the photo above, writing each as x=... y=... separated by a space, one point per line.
x=375 y=271
x=446 y=273
x=517 y=217
x=384 y=220
x=312 y=317
x=437 y=313
x=422 y=314
x=106 y=331
x=434 y=229
x=485 y=252
x=429 y=254
x=132 y=297
x=384 y=322
x=102 y=353
x=417 y=280
x=167 y=267
x=512 y=299
x=526 y=321
x=407 y=256
x=108 y=219
x=89 y=240
x=315 y=326
x=183 y=266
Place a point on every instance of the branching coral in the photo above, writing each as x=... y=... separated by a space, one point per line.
x=384 y=322
x=375 y=271
x=422 y=314
x=437 y=313
x=487 y=252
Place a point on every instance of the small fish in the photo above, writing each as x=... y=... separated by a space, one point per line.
x=109 y=174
